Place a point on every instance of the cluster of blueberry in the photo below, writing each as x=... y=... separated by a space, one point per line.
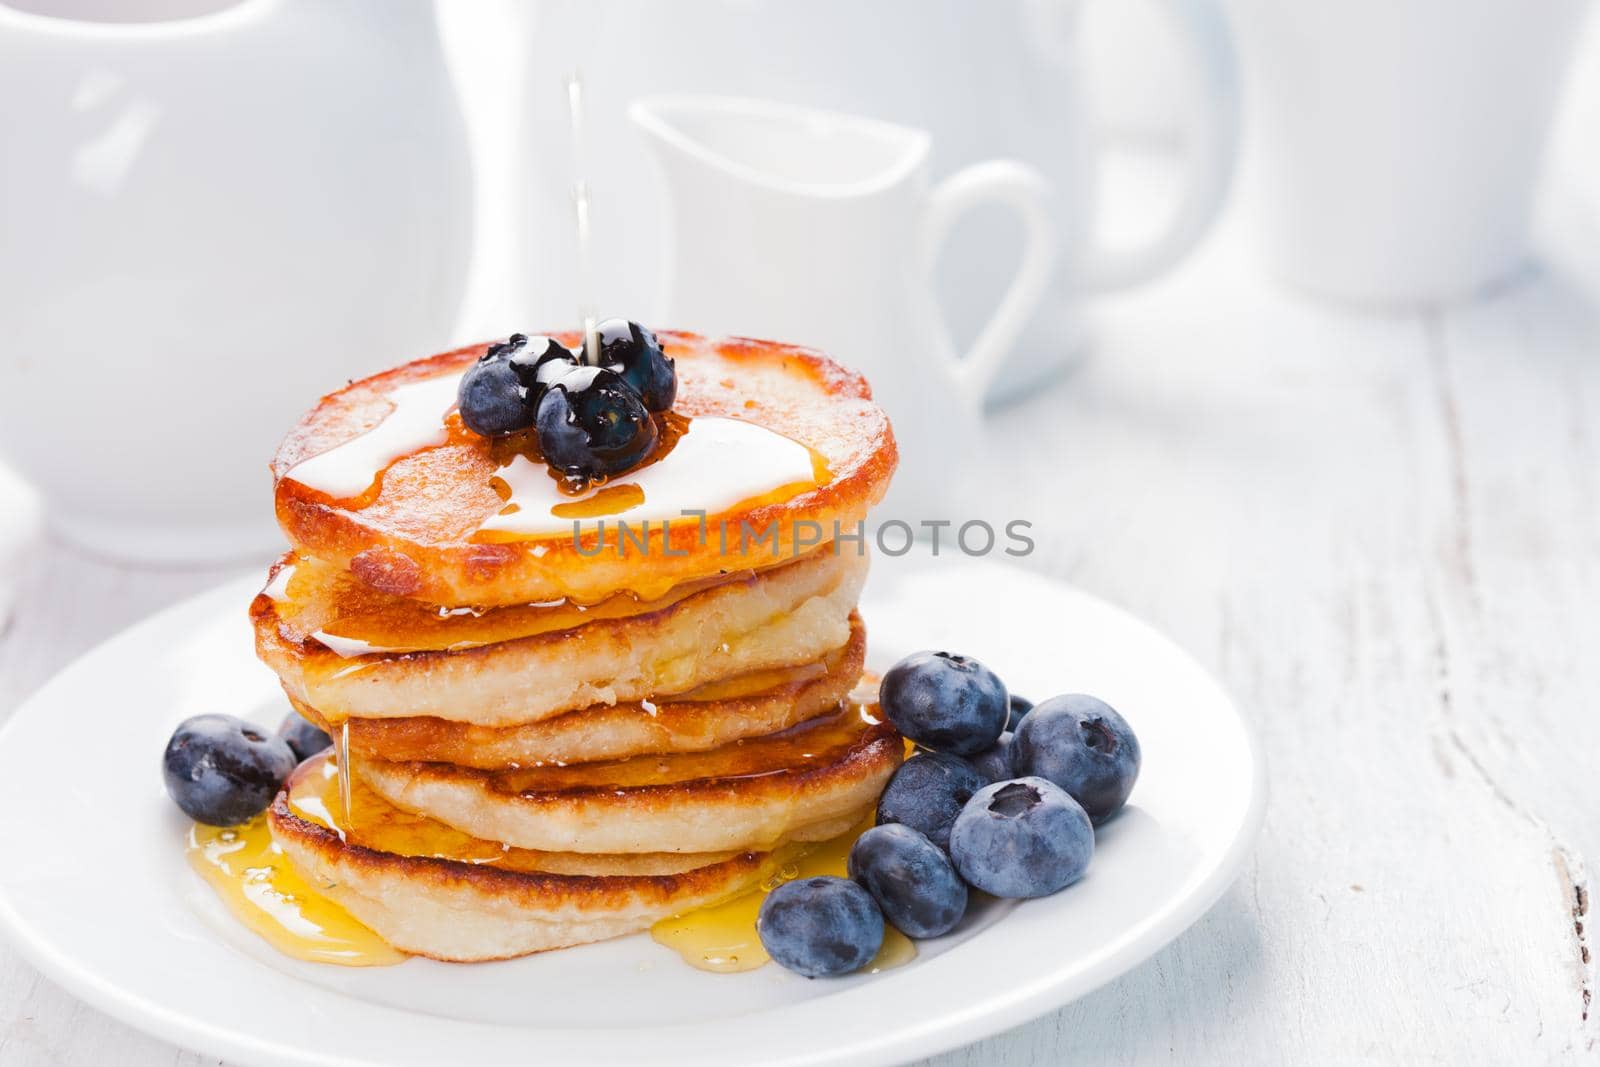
x=592 y=420
x=1003 y=797
x=223 y=771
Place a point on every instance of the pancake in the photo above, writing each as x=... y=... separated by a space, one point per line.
x=462 y=912
x=418 y=530
x=748 y=794
x=433 y=891
x=316 y=603
x=374 y=823
x=749 y=705
x=773 y=618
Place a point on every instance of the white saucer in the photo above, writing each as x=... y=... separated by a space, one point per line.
x=96 y=892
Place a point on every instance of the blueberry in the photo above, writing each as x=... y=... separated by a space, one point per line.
x=536 y=361
x=1083 y=746
x=927 y=793
x=999 y=761
x=633 y=352
x=1022 y=838
x=820 y=927
x=945 y=702
x=500 y=393
x=551 y=371
x=592 y=424
x=305 y=738
x=492 y=397
x=222 y=770
x=911 y=878
x=498 y=351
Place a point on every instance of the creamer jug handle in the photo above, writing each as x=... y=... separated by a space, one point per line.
x=1027 y=192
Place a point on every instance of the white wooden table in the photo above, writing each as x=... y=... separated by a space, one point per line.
x=1384 y=534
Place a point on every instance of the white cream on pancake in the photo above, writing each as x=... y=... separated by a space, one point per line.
x=415 y=421
x=716 y=464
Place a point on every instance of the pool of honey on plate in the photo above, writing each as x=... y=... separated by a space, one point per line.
x=723 y=937
x=255 y=880
x=263 y=890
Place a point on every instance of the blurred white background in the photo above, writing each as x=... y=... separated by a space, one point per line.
x=1129 y=57
x=1380 y=525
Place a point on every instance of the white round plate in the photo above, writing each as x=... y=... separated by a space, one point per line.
x=95 y=889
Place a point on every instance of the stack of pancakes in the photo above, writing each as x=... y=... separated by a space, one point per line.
x=552 y=738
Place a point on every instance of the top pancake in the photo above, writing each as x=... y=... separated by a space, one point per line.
x=418 y=535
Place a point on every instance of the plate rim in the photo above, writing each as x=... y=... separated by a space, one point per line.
x=923 y=1037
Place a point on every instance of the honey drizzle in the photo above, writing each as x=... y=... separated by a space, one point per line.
x=587 y=315
x=324 y=795
x=341 y=760
x=763 y=680
x=318 y=599
x=610 y=500
x=373 y=822
x=252 y=876
x=819 y=742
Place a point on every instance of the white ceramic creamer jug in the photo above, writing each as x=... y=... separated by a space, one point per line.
x=822 y=229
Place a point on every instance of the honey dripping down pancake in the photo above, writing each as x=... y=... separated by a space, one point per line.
x=746 y=705
x=765 y=619
x=748 y=794
x=317 y=604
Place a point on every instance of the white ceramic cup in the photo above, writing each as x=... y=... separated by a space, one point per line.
x=209 y=221
x=1397 y=143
